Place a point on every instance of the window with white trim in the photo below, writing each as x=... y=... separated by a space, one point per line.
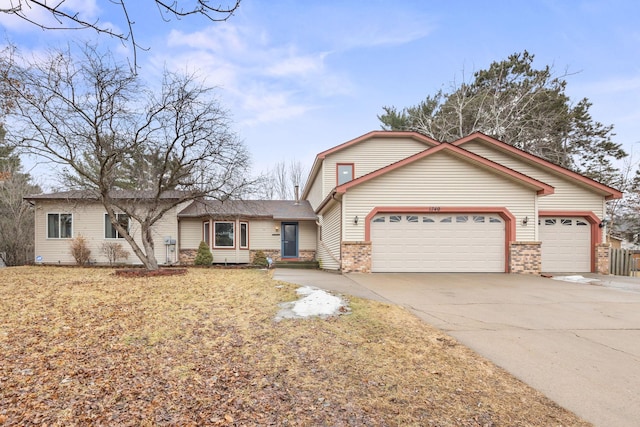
x=244 y=235
x=110 y=232
x=224 y=234
x=59 y=226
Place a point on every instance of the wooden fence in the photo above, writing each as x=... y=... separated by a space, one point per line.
x=624 y=262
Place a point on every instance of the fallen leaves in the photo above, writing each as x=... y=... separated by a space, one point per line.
x=84 y=347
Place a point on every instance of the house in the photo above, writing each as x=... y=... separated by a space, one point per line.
x=383 y=202
x=403 y=202
x=235 y=230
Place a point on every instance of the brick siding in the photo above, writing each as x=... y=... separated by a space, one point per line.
x=525 y=257
x=356 y=257
x=602 y=258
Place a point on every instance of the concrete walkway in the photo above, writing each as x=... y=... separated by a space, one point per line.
x=579 y=344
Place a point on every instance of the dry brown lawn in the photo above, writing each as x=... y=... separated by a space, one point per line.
x=84 y=347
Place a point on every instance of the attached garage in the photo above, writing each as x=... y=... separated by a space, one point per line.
x=566 y=244
x=451 y=242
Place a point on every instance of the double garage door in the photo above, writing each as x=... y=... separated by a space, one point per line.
x=437 y=243
x=471 y=243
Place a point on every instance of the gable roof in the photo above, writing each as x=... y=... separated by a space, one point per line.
x=288 y=210
x=367 y=136
x=540 y=187
x=609 y=192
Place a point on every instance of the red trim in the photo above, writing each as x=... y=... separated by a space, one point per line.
x=353 y=171
x=240 y=235
x=205 y=238
x=542 y=188
x=509 y=219
x=612 y=193
x=379 y=134
x=592 y=218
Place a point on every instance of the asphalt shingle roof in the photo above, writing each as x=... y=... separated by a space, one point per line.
x=276 y=209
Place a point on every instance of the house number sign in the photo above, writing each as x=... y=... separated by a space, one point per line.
x=434 y=209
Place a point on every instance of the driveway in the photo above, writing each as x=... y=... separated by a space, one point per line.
x=577 y=343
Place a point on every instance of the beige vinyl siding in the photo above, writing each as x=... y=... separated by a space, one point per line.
x=369 y=156
x=262 y=235
x=568 y=195
x=439 y=180
x=88 y=221
x=316 y=193
x=330 y=243
x=190 y=233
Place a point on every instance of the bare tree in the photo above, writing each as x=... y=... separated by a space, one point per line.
x=280 y=181
x=99 y=121
x=65 y=16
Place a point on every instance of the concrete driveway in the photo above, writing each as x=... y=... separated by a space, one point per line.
x=577 y=343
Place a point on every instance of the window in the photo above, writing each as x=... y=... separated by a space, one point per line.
x=427 y=219
x=206 y=232
x=110 y=231
x=345 y=173
x=244 y=235
x=412 y=218
x=395 y=218
x=550 y=221
x=478 y=218
x=447 y=219
x=223 y=235
x=462 y=218
x=59 y=225
x=494 y=220
x=564 y=221
x=379 y=219
x=581 y=223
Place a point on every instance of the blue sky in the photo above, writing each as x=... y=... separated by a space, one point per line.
x=299 y=77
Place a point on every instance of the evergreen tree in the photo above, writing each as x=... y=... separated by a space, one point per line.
x=520 y=105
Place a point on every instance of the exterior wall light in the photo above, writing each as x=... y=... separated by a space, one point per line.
x=525 y=220
x=355 y=220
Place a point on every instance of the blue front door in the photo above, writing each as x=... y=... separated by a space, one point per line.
x=289 y=240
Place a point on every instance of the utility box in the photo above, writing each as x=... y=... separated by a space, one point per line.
x=169 y=241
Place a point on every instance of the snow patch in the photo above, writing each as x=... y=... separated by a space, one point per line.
x=575 y=279
x=313 y=302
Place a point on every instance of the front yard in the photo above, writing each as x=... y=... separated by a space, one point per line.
x=84 y=347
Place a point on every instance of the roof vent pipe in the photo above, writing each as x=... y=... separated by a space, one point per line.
x=297 y=190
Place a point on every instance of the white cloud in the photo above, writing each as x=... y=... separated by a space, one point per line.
x=298 y=65
x=263 y=81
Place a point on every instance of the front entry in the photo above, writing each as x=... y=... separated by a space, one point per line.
x=289 y=240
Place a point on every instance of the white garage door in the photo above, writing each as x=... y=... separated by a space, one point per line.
x=437 y=243
x=566 y=244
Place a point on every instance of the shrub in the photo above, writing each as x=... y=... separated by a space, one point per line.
x=260 y=259
x=204 y=256
x=80 y=250
x=114 y=251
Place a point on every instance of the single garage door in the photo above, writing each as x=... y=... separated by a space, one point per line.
x=566 y=244
x=437 y=243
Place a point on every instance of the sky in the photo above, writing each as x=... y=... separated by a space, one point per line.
x=299 y=77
